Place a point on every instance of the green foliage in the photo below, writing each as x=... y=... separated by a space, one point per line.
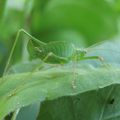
x=92 y=19
x=2 y=4
x=92 y=105
x=29 y=113
x=75 y=90
x=23 y=89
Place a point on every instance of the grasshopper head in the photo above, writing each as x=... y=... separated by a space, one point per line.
x=81 y=52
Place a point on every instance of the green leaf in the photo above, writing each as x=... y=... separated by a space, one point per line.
x=29 y=113
x=94 y=19
x=24 y=67
x=20 y=90
x=28 y=5
x=101 y=104
x=2 y=4
x=108 y=50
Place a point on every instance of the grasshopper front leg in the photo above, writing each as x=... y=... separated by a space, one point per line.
x=80 y=55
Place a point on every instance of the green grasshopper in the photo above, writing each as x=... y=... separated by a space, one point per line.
x=57 y=52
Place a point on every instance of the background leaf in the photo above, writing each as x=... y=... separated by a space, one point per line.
x=92 y=105
x=29 y=112
x=108 y=50
x=84 y=16
x=2 y=4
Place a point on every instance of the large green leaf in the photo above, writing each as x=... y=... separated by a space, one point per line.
x=28 y=112
x=93 y=105
x=19 y=90
x=94 y=19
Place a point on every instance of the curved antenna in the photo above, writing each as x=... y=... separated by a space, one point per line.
x=96 y=44
x=100 y=43
x=115 y=51
x=92 y=47
x=14 y=45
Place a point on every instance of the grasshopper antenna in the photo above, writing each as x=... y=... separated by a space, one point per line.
x=14 y=45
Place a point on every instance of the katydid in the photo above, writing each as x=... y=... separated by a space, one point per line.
x=57 y=52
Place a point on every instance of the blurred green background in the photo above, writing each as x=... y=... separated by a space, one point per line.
x=82 y=22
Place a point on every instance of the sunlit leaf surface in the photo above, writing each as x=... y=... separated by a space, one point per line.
x=23 y=89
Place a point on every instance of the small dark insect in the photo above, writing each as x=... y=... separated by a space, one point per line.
x=112 y=101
